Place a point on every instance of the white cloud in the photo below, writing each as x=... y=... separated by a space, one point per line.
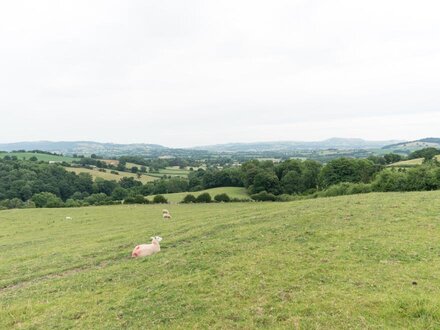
x=197 y=72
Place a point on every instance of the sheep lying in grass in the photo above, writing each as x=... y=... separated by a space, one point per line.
x=164 y=211
x=145 y=250
x=166 y=216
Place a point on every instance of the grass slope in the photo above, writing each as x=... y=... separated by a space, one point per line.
x=411 y=162
x=109 y=176
x=233 y=192
x=333 y=263
x=43 y=157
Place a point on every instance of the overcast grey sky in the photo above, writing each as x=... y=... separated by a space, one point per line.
x=184 y=73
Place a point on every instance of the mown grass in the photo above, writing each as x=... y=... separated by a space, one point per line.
x=355 y=262
x=233 y=192
x=95 y=173
x=42 y=157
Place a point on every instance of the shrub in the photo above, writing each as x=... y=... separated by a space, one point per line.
x=119 y=194
x=189 y=199
x=222 y=198
x=159 y=199
x=137 y=199
x=47 y=199
x=72 y=203
x=204 y=198
x=359 y=188
x=264 y=196
x=98 y=199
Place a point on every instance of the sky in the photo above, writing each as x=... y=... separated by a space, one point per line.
x=198 y=72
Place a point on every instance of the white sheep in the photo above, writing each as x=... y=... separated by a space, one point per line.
x=166 y=216
x=68 y=218
x=165 y=211
x=145 y=250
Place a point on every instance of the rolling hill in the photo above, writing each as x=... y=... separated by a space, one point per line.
x=154 y=150
x=333 y=143
x=410 y=146
x=107 y=175
x=232 y=192
x=40 y=156
x=353 y=262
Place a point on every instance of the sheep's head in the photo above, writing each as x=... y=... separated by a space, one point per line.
x=156 y=238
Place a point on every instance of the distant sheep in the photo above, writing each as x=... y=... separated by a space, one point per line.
x=68 y=218
x=165 y=211
x=145 y=250
x=166 y=216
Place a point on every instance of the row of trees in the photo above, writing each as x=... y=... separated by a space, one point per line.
x=26 y=183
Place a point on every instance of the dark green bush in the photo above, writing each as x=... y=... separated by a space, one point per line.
x=222 y=198
x=189 y=199
x=204 y=198
x=264 y=196
x=159 y=199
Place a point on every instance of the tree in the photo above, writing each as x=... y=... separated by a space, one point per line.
x=347 y=170
x=292 y=183
x=119 y=194
x=426 y=153
x=266 y=181
x=47 y=199
x=128 y=183
x=204 y=198
x=189 y=199
x=222 y=198
x=264 y=196
x=392 y=158
x=160 y=199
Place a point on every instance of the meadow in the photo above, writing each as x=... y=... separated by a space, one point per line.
x=40 y=156
x=411 y=162
x=366 y=261
x=232 y=192
x=95 y=173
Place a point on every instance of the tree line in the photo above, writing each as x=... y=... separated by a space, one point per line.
x=26 y=183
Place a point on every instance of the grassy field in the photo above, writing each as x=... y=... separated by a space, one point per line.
x=109 y=176
x=233 y=192
x=171 y=171
x=355 y=262
x=43 y=157
x=411 y=162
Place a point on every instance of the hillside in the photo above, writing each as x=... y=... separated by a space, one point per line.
x=268 y=149
x=411 y=162
x=40 y=156
x=333 y=143
x=91 y=147
x=110 y=176
x=367 y=261
x=410 y=146
x=233 y=192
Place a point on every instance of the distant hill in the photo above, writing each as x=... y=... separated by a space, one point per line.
x=285 y=146
x=414 y=145
x=154 y=150
x=91 y=147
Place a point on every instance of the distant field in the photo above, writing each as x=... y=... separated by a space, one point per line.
x=367 y=261
x=109 y=176
x=233 y=192
x=42 y=157
x=411 y=162
x=170 y=171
